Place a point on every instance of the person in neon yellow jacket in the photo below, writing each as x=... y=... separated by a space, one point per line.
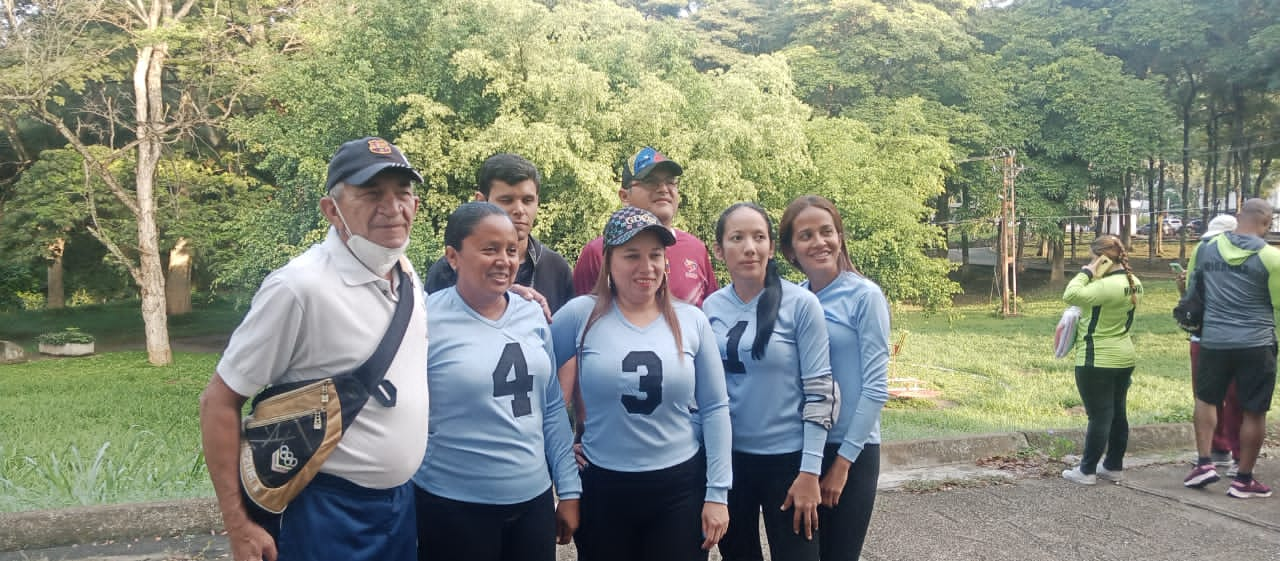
x=1108 y=293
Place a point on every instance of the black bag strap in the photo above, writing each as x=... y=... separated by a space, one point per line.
x=374 y=370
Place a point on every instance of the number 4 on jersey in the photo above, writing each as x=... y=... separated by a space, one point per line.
x=520 y=384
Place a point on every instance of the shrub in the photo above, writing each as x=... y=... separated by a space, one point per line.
x=67 y=336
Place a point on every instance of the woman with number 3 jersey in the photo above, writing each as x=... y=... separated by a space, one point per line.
x=782 y=399
x=497 y=417
x=646 y=366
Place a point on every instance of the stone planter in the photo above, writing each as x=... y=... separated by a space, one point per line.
x=66 y=349
x=11 y=352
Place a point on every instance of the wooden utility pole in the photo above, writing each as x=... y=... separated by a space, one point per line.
x=1006 y=269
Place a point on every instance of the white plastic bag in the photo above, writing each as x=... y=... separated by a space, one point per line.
x=1064 y=336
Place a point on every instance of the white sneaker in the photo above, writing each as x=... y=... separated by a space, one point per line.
x=1104 y=473
x=1076 y=476
x=1234 y=469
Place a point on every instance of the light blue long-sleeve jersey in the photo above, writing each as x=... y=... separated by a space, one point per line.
x=498 y=425
x=786 y=401
x=640 y=394
x=858 y=323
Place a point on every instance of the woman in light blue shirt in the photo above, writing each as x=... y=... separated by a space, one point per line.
x=782 y=400
x=499 y=436
x=647 y=366
x=812 y=239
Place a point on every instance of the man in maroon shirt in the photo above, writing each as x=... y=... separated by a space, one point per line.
x=651 y=181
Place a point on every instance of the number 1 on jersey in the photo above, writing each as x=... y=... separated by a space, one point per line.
x=733 y=364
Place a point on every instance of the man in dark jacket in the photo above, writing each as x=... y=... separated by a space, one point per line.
x=513 y=183
x=1241 y=292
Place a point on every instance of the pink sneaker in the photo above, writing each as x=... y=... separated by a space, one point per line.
x=1254 y=489
x=1201 y=476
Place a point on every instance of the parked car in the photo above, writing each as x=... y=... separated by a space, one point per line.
x=1171 y=227
x=1195 y=226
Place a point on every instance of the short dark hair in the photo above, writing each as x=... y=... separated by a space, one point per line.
x=463 y=221
x=507 y=168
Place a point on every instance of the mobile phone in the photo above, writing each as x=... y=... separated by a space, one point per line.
x=1104 y=265
x=1176 y=267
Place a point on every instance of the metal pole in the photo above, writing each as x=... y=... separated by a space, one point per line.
x=1011 y=171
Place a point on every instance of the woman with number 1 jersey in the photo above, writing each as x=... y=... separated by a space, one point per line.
x=782 y=398
x=646 y=366
x=497 y=416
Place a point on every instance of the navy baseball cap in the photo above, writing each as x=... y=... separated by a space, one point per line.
x=639 y=166
x=625 y=223
x=357 y=161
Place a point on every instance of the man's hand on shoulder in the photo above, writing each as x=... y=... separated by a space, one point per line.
x=528 y=293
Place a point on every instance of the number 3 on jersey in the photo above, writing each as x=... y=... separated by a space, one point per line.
x=650 y=382
x=520 y=384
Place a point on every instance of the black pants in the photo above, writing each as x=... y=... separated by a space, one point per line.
x=1104 y=392
x=449 y=529
x=643 y=516
x=844 y=528
x=760 y=485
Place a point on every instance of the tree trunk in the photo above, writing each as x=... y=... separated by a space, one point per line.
x=1126 y=210
x=1240 y=144
x=9 y=16
x=1156 y=223
x=57 y=295
x=1056 y=257
x=1163 y=203
x=177 y=288
x=1021 y=245
x=1264 y=167
x=1187 y=103
x=1211 y=185
x=1100 y=227
x=964 y=232
x=149 y=106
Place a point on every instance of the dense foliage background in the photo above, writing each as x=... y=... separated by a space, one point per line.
x=883 y=106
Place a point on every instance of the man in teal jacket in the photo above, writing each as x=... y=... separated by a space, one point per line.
x=1241 y=290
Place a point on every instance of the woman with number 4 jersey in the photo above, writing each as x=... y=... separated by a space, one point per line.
x=497 y=415
x=812 y=239
x=646 y=366
x=782 y=399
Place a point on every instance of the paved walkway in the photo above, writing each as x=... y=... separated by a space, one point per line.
x=983 y=516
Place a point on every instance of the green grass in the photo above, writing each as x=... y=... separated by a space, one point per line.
x=117 y=323
x=111 y=428
x=999 y=374
x=101 y=429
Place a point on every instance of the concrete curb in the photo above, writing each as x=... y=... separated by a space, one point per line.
x=912 y=454
x=52 y=528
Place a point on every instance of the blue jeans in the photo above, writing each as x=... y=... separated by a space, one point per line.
x=336 y=519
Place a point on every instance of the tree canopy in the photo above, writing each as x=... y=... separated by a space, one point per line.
x=885 y=107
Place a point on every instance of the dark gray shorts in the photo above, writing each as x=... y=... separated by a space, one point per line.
x=1253 y=369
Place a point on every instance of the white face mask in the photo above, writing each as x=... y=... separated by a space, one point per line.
x=374 y=257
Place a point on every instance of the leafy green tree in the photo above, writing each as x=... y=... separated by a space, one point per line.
x=580 y=87
x=65 y=65
x=56 y=198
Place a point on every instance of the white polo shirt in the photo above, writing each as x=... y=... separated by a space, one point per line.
x=323 y=314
